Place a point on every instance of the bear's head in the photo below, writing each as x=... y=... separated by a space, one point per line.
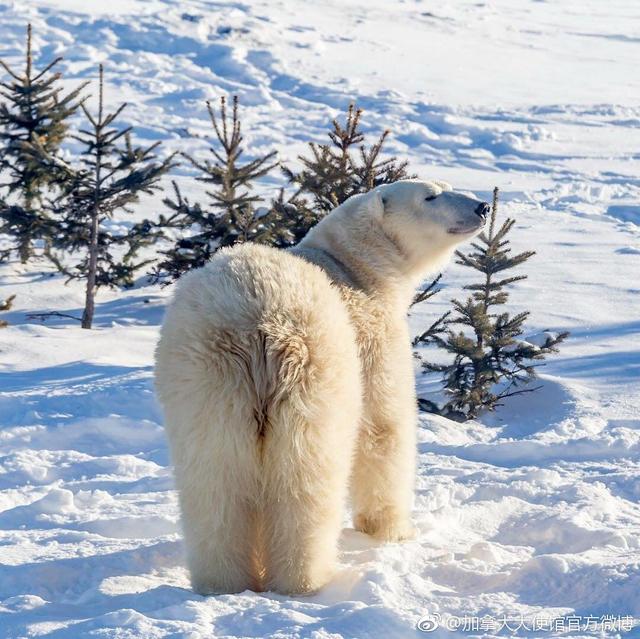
x=425 y=220
x=400 y=231
x=427 y=214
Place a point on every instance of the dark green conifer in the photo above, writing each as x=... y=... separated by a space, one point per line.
x=230 y=215
x=331 y=174
x=490 y=360
x=34 y=111
x=341 y=168
x=111 y=175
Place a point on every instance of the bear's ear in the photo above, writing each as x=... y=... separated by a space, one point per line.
x=375 y=203
x=445 y=186
x=371 y=203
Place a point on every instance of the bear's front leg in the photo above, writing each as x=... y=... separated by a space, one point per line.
x=384 y=466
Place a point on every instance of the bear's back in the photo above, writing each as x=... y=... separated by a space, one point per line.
x=243 y=286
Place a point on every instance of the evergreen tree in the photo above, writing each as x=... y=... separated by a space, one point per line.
x=35 y=110
x=339 y=169
x=111 y=175
x=490 y=360
x=288 y=220
x=6 y=306
x=333 y=173
x=230 y=216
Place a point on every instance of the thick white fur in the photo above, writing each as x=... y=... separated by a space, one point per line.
x=286 y=376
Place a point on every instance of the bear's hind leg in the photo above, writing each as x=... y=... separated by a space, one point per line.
x=216 y=465
x=221 y=553
x=305 y=486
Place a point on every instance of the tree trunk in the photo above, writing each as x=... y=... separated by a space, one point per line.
x=92 y=267
x=24 y=249
x=89 y=303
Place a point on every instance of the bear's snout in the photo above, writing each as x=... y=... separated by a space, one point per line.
x=482 y=210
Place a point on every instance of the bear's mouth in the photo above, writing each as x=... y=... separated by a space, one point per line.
x=464 y=230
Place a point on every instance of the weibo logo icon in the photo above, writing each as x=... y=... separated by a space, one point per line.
x=428 y=622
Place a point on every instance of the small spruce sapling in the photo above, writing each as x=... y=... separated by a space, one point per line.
x=34 y=111
x=490 y=360
x=230 y=214
x=339 y=169
x=332 y=173
x=112 y=175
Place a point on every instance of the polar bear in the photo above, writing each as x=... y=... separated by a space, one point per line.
x=286 y=378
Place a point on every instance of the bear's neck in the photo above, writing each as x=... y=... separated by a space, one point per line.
x=371 y=260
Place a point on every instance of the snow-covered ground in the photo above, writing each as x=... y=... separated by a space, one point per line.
x=530 y=511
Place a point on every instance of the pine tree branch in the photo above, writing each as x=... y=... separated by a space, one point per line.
x=46 y=315
x=427 y=292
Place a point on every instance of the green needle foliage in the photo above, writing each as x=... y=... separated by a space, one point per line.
x=490 y=360
x=335 y=171
x=111 y=175
x=332 y=173
x=34 y=111
x=230 y=215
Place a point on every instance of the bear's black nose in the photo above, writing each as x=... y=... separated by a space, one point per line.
x=483 y=209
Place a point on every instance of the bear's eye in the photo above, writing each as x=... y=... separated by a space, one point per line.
x=430 y=197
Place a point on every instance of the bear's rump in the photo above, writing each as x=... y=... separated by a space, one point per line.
x=256 y=345
x=260 y=369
